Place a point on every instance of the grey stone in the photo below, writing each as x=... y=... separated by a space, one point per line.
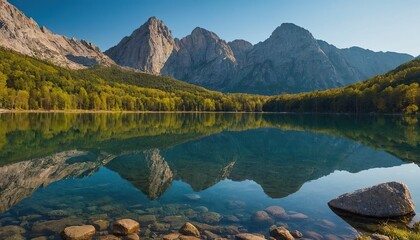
x=390 y=199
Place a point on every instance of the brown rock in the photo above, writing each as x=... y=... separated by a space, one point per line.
x=125 y=227
x=11 y=230
x=183 y=237
x=297 y=234
x=211 y=235
x=147 y=218
x=160 y=227
x=107 y=237
x=189 y=230
x=277 y=212
x=133 y=236
x=171 y=236
x=101 y=225
x=281 y=233
x=249 y=236
x=84 y=232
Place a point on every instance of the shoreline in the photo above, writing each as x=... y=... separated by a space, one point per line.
x=191 y=112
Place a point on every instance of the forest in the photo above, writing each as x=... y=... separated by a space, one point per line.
x=30 y=84
x=397 y=91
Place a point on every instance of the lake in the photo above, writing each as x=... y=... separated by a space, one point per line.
x=215 y=170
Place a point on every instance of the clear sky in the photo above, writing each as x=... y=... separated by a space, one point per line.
x=380 y=25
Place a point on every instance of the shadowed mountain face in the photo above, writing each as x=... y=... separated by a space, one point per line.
x=291 y=60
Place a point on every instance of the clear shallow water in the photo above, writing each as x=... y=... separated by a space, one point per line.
x=61 y=169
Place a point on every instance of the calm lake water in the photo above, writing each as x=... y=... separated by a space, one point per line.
x=216 y=169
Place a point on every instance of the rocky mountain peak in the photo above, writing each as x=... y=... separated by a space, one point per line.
x=22 y=34
x=146 y=49
x=289 y=33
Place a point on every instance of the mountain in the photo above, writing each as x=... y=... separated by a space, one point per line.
x=22 y=34
x=147 y=49
x=202 y=58
x=291 y=60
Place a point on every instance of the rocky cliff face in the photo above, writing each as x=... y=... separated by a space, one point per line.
x=18 y=181
x=202 y=58
x=22 y=34
x=289 y=61
x=148 y=48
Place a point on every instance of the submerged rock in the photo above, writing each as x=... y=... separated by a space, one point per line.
x=192 y=196
x=101 y=225
x=277 y=212
x=171 y=236
x=211 y=217
x=297 y=234
x=281 y=233
x=189 y=230
x=85 y=232
x=392 y=199
x=249 y=236
x=261 y=218
x=55 y=226
x=11 y=232
x=125 y=227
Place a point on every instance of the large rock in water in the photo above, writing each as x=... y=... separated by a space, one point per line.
x=125 y=227
x=84 y=232
x=392 y=199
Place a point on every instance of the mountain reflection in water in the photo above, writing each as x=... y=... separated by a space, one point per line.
x=164 y=155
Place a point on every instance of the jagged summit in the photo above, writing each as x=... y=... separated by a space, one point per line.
x=146 y=49
x=290 y=28
x=24 y=35
x=291 y=60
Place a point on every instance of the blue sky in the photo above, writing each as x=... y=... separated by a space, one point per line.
x=380 y=25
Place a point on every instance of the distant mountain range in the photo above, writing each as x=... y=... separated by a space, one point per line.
x=291 y=60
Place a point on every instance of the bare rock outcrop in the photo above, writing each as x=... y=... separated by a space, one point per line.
x=23 y=35
x=202 y=58
x=147 y=49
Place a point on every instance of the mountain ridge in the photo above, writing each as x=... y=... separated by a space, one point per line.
x=291 y=60
x=22 y=34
